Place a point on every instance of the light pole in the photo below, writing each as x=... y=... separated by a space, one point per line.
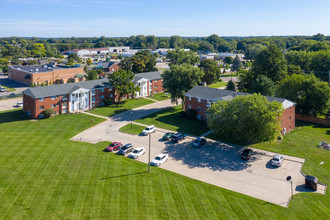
x=290 y=179
x=131 y=120
x=149 y=153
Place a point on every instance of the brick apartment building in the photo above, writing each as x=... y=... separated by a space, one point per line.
x=108 y=67
x=201 y=98
x=48 y=73
x=81 y=96
x=149 y=82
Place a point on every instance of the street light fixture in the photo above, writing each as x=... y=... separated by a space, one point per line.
x=290 y=179
x=149 y=153
x=131 y=120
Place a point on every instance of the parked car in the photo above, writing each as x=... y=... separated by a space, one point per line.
x=199 y=142
x=19 y=104
x=137 y=152
x=127 y=148
x=178 y=137
x=159 y=160
x=246 y=154
x=148 y=130
x=168 y=135
x=113 y=146
x=2 y=89
x=277 y=160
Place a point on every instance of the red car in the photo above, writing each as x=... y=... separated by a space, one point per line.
x=113 y=146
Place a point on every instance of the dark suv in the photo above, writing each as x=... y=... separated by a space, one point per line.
x=246 y=154
x=128 y=148
x=178 y=137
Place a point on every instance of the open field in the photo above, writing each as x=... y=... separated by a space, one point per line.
x=171 y=119
x=122 y=107
x=44 y=175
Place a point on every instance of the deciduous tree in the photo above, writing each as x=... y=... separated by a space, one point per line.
x=211 y=71
x=248 y=119
x=180 y=79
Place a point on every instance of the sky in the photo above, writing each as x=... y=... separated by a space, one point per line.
x=124 y=18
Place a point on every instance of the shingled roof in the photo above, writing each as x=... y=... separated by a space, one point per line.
x=221 y=94
x=147 y=75
x=64 y=89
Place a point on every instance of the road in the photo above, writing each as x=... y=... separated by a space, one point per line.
x=216 y=163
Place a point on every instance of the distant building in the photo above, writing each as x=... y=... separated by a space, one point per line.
x=48 y=74
x=108 y=67
x=201 y=98
x=95 y=51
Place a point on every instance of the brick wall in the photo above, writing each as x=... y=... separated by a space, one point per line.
x=198 y=105
x=313 y=120
x=156 y=87
x=288 y=119
x=43 y=77
x=36 y=107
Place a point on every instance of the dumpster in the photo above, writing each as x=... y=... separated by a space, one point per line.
x=311 y=182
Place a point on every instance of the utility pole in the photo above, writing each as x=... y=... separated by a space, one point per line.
x=149 y=153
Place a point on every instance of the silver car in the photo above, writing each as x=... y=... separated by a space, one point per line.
x=277 y=160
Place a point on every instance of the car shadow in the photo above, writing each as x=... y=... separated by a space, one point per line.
x=270 y=166
x=302 y=188
x=215 y=156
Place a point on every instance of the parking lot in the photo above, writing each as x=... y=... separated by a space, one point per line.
x=215 y=163
x=4 y=81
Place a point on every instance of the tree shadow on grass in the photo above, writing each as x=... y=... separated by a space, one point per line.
x=130 y=174
x=215 y=156
x=11 y=116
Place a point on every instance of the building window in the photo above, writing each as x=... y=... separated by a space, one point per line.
x=79 y=95
x=189 y=98
x=156 y=92
x=76 y=95
x=41 y=99
x=53 y=105
x=110 y=95
x=53 y=98
x=93 y=99
x=102 y=90
x=156 y=80
x=198 y=109
x=115 y=99
x=93 y=92
x=189 y=106
x=72 y=102
x=198 y=117
x=156 y=86
x=290 y=127
x=198 y=100
x=41 y=107
x=72 y=95
x=289 y=117
x=102 y=97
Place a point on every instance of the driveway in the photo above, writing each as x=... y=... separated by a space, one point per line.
x=4 y=81
x=217 y=163
x=9 y=104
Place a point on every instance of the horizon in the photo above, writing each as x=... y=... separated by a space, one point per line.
x=82 y=18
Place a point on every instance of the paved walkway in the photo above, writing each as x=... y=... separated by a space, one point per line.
x=217 y=163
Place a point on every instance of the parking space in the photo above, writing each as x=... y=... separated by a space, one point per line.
x=4 y=81
x=9 y=104
x=215 y=163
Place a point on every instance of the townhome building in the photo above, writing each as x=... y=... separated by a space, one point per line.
x=149 y=82
x=83 y=96
x=201 y=98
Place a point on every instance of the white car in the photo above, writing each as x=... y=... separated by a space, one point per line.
x=19 y=104
x=137 y=152
x=159 y=160
x=277 y=160
x=148 y=130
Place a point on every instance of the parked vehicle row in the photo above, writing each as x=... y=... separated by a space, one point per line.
x=125 y=149
x=275 y=161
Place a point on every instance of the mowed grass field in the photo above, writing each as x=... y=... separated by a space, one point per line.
x=44 y=175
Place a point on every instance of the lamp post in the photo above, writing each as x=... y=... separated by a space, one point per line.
x=131 y=120
x=290 y=179
x=149 y=153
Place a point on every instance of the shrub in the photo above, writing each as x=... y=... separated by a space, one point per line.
x=183 y=114
x=48 y=112
x=107 y=102
x=191 y=113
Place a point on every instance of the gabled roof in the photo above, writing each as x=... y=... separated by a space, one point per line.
x=148 y=76
x=64 y=89
x=106 y=64
x=221 y=94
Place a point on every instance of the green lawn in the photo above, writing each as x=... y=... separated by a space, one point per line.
x=132 y=129
x=44 y=175
x=9 y=89
x=160 y=97
x=171 y=119
x=122 y=107
x=218 y=85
